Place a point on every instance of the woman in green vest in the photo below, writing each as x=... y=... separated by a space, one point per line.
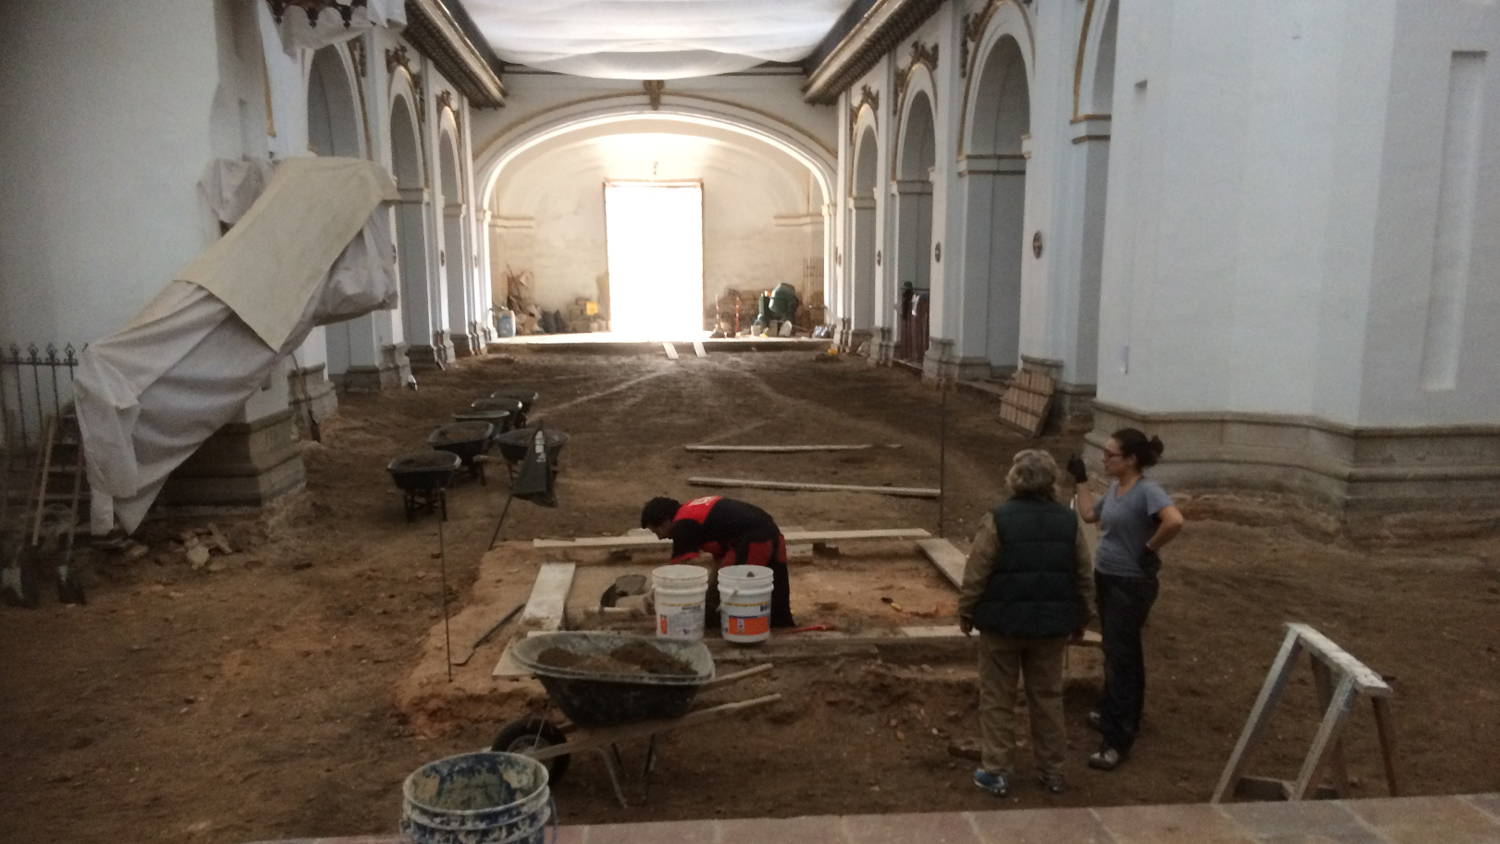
x=1027 y=590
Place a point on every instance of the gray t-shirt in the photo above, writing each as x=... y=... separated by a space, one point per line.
x=1126 y=522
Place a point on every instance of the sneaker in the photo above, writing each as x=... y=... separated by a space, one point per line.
x=1052 y=783
x=995 y=784
x=1106 y=759
x=1096 y=721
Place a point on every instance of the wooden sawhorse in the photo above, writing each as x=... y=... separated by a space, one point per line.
x=1354 y=678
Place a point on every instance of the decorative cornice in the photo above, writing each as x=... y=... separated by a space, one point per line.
x=654 y=89
x=397 y=57
x=445 y=100
x=881 y=30
x=436 y=34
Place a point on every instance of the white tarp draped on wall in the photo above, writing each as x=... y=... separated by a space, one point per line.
x=652 y=39
x=185 y=365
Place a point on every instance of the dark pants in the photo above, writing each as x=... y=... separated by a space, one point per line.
x=1124 y=604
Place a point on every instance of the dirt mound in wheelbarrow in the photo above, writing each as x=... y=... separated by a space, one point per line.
x=633 y=658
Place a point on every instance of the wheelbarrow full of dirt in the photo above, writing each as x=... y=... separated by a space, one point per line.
x=614 y=687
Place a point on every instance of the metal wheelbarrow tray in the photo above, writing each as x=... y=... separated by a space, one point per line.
x=600 y=698
x=513 y=443
x=606 y=709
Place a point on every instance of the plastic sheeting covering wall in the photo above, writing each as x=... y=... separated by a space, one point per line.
x=149 y=395
x=651 y=39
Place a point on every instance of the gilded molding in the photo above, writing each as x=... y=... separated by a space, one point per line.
x=1083 y=43
x=445 y=100
x=397 y=57
x=920 y=55
x=357 y=54
x=867 y=97
x=654 y=89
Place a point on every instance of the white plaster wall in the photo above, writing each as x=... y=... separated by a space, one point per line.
x=106 y=114
x=1417 y=224
x=550 y=207
x=1245 y=165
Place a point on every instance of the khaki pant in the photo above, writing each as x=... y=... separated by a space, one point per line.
x=1002 y=661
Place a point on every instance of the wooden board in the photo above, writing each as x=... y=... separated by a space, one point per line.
x=948 y=559
x=790 y=536
x=699 y=350
x=1027 y=402
x=671 y=351
x=549 y=596
x=749 y=483
x=778 y=449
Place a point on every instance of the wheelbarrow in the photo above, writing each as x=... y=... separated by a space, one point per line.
x=615 y=687
x=468 y=440
x=423 y=478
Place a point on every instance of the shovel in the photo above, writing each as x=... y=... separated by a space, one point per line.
x=18 y=580
x=69 y=587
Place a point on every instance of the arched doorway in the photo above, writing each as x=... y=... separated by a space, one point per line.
x=912 y=195
x=453 y=261
x=863 y=248
x=1091 y=140
x=994 y=168
x=333 y=128
x=411 y=234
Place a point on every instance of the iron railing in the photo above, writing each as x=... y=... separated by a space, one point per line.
x=35 y=385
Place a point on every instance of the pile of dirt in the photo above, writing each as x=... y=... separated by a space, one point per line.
x=639 y=658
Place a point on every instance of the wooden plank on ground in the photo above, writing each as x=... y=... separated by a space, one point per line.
x=699 y=350
x=1027 y=401
x=549 y=595
x=670 y=349
x=948 y=559
x=750 y=483
x=779 y=449
x=637 y=541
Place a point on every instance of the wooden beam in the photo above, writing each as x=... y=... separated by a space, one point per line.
x=698 y=349
x=778 y=449
x=628 y=541
x=670 y=349
x=549 y=596
x=748 y=483
x=948 y=559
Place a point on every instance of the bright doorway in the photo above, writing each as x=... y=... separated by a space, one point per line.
x=654 y=236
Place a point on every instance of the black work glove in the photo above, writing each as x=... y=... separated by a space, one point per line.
x=1150 y=562
x=1076 y=468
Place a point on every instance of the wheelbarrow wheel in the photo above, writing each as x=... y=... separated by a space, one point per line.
x=534 y=733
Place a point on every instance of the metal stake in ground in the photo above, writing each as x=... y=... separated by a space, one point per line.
x=942 y=455
x=443 y=578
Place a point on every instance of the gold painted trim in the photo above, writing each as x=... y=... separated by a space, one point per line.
x=265 y=78
x=357 y=59
x=982 y=28
x=1085 y=138
x=919 y=57
x=1084 y=118
x=1083 y=44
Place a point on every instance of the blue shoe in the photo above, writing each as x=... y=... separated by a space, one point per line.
x=995 y=784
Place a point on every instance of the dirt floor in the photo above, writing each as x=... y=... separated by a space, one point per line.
x=271 y=692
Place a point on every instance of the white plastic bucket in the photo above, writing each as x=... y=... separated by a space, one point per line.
x=745 y=603
x=679 y=593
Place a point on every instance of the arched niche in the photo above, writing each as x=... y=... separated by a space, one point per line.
x=911 y=203
x=864 y=243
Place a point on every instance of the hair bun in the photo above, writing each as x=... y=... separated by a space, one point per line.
x=1157 y=447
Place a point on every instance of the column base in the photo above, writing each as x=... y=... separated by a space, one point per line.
x=464 y=345
x=1365 y=483
x=426 y=358
x=311 y=392
x=392 y=374
x=244 y=464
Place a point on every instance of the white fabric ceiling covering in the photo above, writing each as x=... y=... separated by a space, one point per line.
x=653 y=39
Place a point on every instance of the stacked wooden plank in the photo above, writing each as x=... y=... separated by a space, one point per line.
x=1027 y=402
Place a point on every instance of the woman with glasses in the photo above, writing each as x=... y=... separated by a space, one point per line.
x=1136 y=518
